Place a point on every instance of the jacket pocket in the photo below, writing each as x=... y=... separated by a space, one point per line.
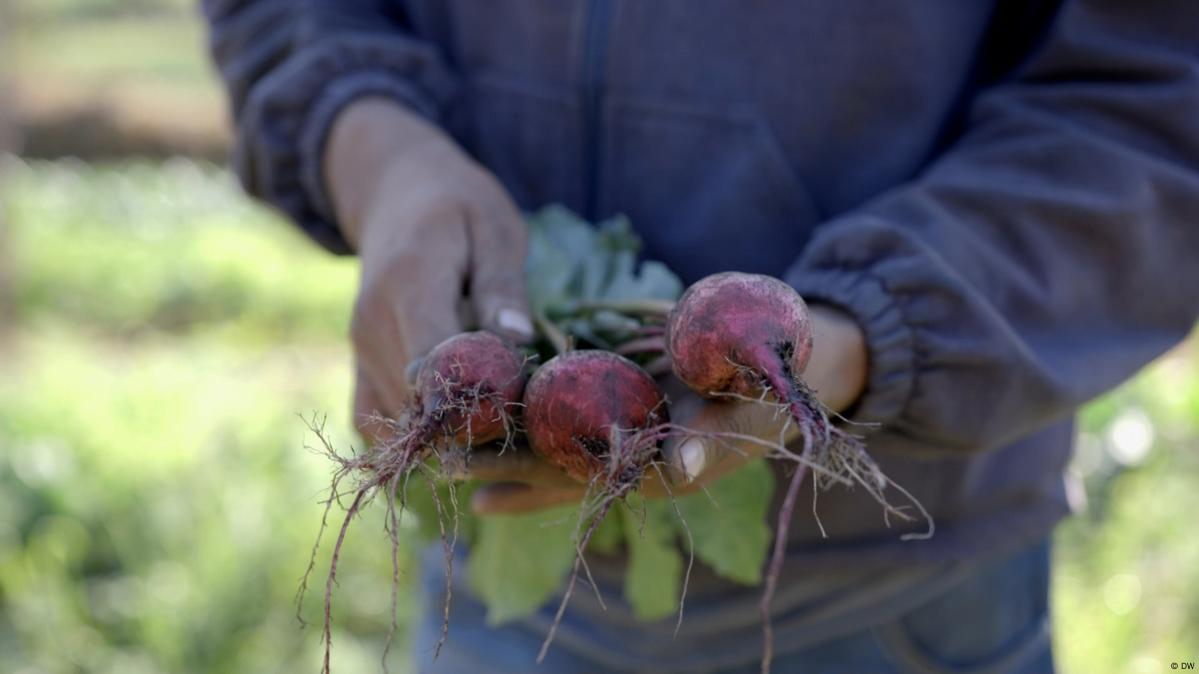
x=996 y=621
x=708 y=190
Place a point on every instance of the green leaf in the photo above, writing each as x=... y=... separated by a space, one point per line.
x=653 y=281
x=519 y=561
x=418 y=501
x=570 y=262
x=729 y=529
x=548 y=270
x=654 y=576
x=608 y=536
x=559 y=245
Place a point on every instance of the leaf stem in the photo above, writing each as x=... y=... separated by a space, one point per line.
x=557 y=338
x=642 y=307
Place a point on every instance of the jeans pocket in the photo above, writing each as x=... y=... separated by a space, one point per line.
x=996 y=621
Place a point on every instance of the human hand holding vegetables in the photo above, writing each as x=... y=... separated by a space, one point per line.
x=520 y=481
x=429 y=225
x=422 y=214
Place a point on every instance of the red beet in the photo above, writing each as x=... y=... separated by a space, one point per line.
x=743 y=335
x=581 y=402
x=468 y=386
x=466 y=393
x=739 y=333
x=600 y=418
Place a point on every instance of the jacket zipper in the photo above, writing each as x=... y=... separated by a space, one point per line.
x=595 y=48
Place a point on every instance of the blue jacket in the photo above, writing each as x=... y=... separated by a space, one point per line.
x=1004 y=193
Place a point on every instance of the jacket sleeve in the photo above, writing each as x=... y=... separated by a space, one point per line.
x=290 y=67
x=1050 y=252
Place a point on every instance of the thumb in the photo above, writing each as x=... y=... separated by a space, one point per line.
x=497 y=275
x=691 y=458
x=722 y=436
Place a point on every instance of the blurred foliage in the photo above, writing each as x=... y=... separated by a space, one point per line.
x=1126 y=585
x=156 y=507
x=76 y=10
x=101 y=44
x=110 y=77
x=143 y=248
x=149 y=53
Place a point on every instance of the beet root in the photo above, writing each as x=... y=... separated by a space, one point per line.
x=583 y=407
x=600 y=418
x=736 y=333
x=466 y=393
x=468 y=386
x=749 y=336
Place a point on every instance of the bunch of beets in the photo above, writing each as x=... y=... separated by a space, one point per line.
x=599 y=415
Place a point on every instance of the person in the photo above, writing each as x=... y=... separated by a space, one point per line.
x=990 y=206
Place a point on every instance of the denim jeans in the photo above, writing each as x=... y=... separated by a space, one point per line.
x=993 y=621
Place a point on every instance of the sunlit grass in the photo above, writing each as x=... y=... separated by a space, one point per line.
x=165 y=51
x=158 y=505
x=139 y=248
x=1126 y=584
x=156 y=502
x=92 y=75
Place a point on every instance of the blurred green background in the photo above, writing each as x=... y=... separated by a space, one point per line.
x=156 y=502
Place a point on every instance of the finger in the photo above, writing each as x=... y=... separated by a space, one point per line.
x=424 y=284
x=723 y=436
x=368 y=412
x=688 y=458
x=515 y=465
x=661 y=481
x=409 y=301
x=502 y=498
x=497 y=270
x=837 y=369
x=378 y=348
x=374 y=367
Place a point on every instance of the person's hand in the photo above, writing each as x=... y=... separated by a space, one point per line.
x=518 y=481
x=439 y=242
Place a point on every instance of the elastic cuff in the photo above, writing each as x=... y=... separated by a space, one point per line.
x=889 y=339
x=288 y=116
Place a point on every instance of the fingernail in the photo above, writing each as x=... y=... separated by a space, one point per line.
x=514 y=321
x=693 y=456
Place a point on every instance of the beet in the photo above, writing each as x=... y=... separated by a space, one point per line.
x=468 y=386
x=581 y=402
x=599 y=417
x=467 y=392
x=739 y=333
x=746 y=335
